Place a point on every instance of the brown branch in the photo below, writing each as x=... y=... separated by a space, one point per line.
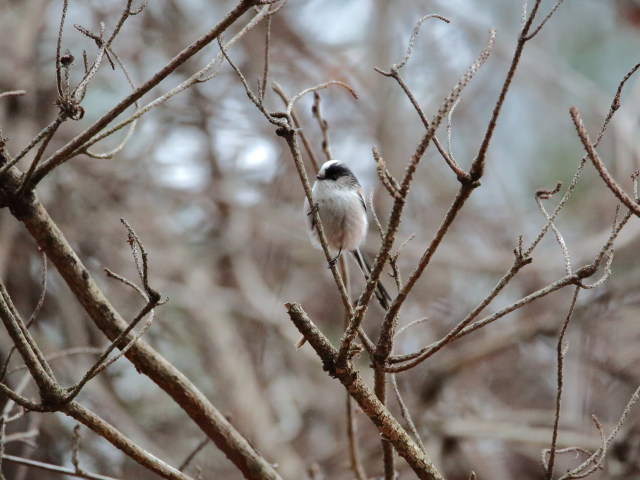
x=185 y=463
x=615 y=105
x=360 y=392
x=477 y=167
x=113 y=435
x=51 y=240
x=67 y=151
x=307 y=146
x=380 y=390
x=13 y=93
x=262 y=87
x=405 y=413
x=545 y=20
x=43 y=292
x=49 y=467
x=63 y=16
x=387 y=332
x=352 y=421
x=464 y=328
x=395 y=74
x=42 y=134
x=594 y=462
x=323 y=124
x=629 y=202
x=560 y=352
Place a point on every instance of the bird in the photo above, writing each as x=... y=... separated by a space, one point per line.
x=337 y=197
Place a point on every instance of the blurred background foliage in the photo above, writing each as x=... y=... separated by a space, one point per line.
x=213 y=194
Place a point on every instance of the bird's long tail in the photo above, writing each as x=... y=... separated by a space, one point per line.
x=381 y=293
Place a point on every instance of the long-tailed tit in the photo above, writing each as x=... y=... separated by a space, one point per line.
x=337 y=196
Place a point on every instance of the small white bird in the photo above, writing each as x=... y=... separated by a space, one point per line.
x=337 y=196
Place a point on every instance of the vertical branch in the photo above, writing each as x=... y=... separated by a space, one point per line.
x=324 y=126
x=262 y=87
x=59 y=47
x=380 y=389
x=352 y=421
x=560 y=351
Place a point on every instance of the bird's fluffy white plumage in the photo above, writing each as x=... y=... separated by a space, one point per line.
x=341 y=207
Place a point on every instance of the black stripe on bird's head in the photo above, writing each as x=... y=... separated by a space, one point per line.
x=334 y=170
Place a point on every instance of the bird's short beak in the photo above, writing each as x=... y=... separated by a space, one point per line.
x=319 y=177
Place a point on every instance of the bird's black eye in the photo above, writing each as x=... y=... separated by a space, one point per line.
x=335 y=171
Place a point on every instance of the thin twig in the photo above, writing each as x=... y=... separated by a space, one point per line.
x=131 y=129
x=630 y=203
x=13 y=93
x=546 y=194
x=36 y=160
x=201 y=444
x=262 y=87
x=79 y=92
x=42 y=134
x=405 y=413
x=321 y=86
x=387 y=180
x=477 y=167
x=449 y=149
x=391 y=317
x=150 y=295
x=49 y=467
x=395 y=74
x=61 y=354
x=595 y=460
x=65 y=5
x=32 y=318
x=75 y=450
x=324 y=126
x=539 y=27
x=307 y=146
x=64 y=153
x=414 y=35
x=560 y=352
x=198 y=77
x=464 y=328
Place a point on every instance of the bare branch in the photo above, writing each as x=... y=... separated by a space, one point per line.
x=387 y=333
x=45 y=132
x=307 y=147
x=595 y=460
x=322 y=86
x=64 y=153
x=545 y=194
x=198 y=77
x=630 y=203
x=414 y=35
x=323 y=124
x=13 y=93
x=357 y=388
x=262 y=86
x=201 y=444
x=539 y=27
x=49 y=467
x=405 y=413
x=65 y=5
x=560 y=352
